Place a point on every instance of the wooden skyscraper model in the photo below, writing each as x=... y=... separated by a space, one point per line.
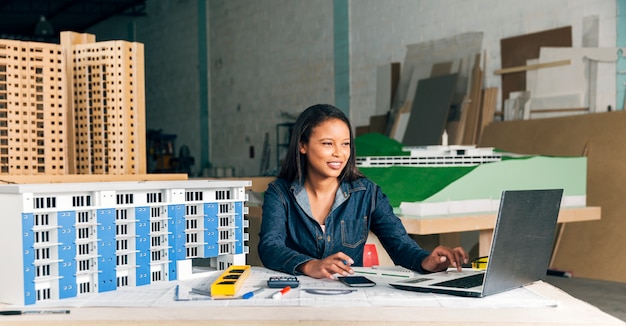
x=72 y=108
x=78 y=108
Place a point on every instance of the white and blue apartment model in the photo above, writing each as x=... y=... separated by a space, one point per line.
x=67 y=239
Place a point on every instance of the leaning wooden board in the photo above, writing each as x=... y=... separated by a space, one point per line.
x=589 y=249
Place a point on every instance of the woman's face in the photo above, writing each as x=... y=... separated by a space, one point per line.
x=328 y=149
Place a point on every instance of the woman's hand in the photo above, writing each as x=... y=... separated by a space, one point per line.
x=338 y=263
x=443 y=257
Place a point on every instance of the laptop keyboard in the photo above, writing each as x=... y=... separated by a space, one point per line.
x=463 y=282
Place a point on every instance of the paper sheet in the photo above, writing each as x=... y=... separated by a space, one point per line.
x=311 y=292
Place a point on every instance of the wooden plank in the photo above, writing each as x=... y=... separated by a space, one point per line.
x=473 y=110
x=441 y=68
x=448 y=228
x=378 y=123
x=490 y=98
x=533 y=67
x=560 y=110
x=70 y=178
x=457 y=130
x=395 y=80
x=557 y=243
x=477 y=222
x=361 y=130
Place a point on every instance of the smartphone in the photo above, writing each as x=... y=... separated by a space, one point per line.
x=356 y=281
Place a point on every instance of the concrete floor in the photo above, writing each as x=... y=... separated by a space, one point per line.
x=609 y=297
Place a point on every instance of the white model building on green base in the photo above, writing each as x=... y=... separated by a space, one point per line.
x=436 y=155
x=68 y=239
x=450 y=180
x=480 y=190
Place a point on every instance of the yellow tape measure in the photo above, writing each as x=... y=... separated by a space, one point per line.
x=480 y=263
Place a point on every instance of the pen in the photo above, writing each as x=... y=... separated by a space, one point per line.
x=282 y=292
x=32 y=312
x=200 y=292
x=250 y=294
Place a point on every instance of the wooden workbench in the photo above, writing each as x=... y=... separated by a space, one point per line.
x=484 y=223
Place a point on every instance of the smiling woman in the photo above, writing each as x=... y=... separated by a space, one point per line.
x=328 y=151
x=318 y=213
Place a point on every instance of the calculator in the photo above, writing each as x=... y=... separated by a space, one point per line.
x=282 y=281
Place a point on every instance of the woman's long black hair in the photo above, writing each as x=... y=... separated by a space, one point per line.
x=295 y=164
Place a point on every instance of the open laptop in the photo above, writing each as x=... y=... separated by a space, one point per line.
x=520 y=252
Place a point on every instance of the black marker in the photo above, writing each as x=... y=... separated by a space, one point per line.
x=32 y=312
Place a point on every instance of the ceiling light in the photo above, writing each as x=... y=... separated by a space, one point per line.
x=43 y=28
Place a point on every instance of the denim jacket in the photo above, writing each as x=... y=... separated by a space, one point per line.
x=290 y=236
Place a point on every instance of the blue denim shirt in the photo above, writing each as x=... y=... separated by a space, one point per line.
x=291 y=236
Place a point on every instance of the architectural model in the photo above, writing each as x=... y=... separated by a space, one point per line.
x=454 y=155
x=72 y=108
x=66 y=240
x=451 y=180
x=480 y=189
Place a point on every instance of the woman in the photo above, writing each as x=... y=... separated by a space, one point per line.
x=318 y=212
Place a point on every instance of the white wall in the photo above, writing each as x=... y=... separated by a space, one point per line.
x=169 y=33
x=267 y=58
x=272 y=57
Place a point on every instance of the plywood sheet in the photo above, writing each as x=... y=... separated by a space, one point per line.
x=589 y=249
x=378 y=123
x=420 y=58
x=386 y=83
x=516 y=50
x=441 y=68
x=395 y=80
x=430 y=111
x=472 y=118
x=361 y=130
x=488 y=109
x=401 y=120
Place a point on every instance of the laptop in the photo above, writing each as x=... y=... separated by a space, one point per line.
x=520 y=252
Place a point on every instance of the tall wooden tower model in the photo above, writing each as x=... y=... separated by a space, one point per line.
x=72 y=108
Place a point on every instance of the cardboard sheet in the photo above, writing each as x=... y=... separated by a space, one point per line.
x=588 y=249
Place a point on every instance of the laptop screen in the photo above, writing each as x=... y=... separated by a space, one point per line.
x=523 y=238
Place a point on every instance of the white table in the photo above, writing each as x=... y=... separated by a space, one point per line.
x=376 y=309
